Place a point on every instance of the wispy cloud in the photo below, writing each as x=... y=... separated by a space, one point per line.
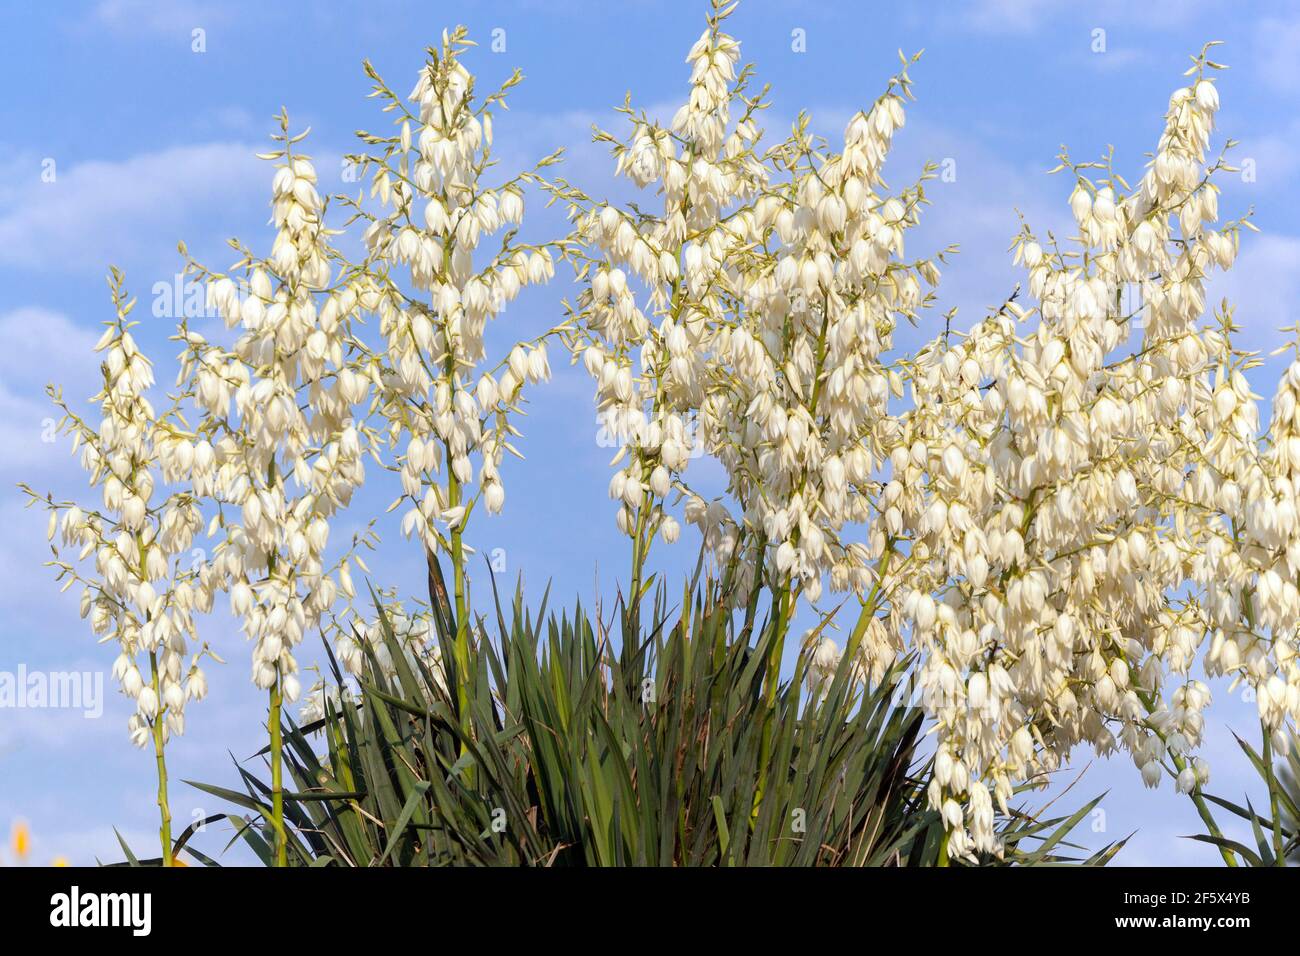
x=1008 y=16
x=148 y=16
x=1275 y=156
x=99 y=212
x=1021 y=17
x=38 y=346
x=1277 y=55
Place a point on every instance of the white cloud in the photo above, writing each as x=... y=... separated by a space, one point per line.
x=99 y=212
x=1277 y=54
x=1021 y=17
x=1276 y=155
x=1008 y=16
x=1112 y=59
x=522 y=138
x=148 y=16
x=29 y=593
x=39 y=346
x=36 y=346
x=50 y=730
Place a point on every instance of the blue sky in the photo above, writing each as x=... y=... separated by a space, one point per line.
x=152 y=142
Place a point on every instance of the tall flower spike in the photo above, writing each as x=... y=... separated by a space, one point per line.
x=140 y=594
x=447 y=407
x=289 y=454
x=1057 y=480
x=647 y=357
x=775 y=281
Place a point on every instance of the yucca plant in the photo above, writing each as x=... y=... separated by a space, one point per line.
x=580 y=752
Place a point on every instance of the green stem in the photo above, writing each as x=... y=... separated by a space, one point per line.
x=1203 y=810
x=164 y=808
x=751 y=605
x=724 y=610
x=871 y=604
x=639 y=549
x=277 y=788
x=1266 y=755
x=461 y=647
x=771 y=680
x=273 y=721
x=773 y=675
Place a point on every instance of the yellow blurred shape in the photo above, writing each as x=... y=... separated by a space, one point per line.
x=21 y=839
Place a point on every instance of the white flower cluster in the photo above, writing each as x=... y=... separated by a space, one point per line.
x=138 y=594
x=773 y=285
x=1072 y=509
x=438 y=394
x=1253 y=601
x=775 y=281
x=648 y=358
x=299 y=375
x=1061 y=488
x=285 y=404
x=288 y=454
